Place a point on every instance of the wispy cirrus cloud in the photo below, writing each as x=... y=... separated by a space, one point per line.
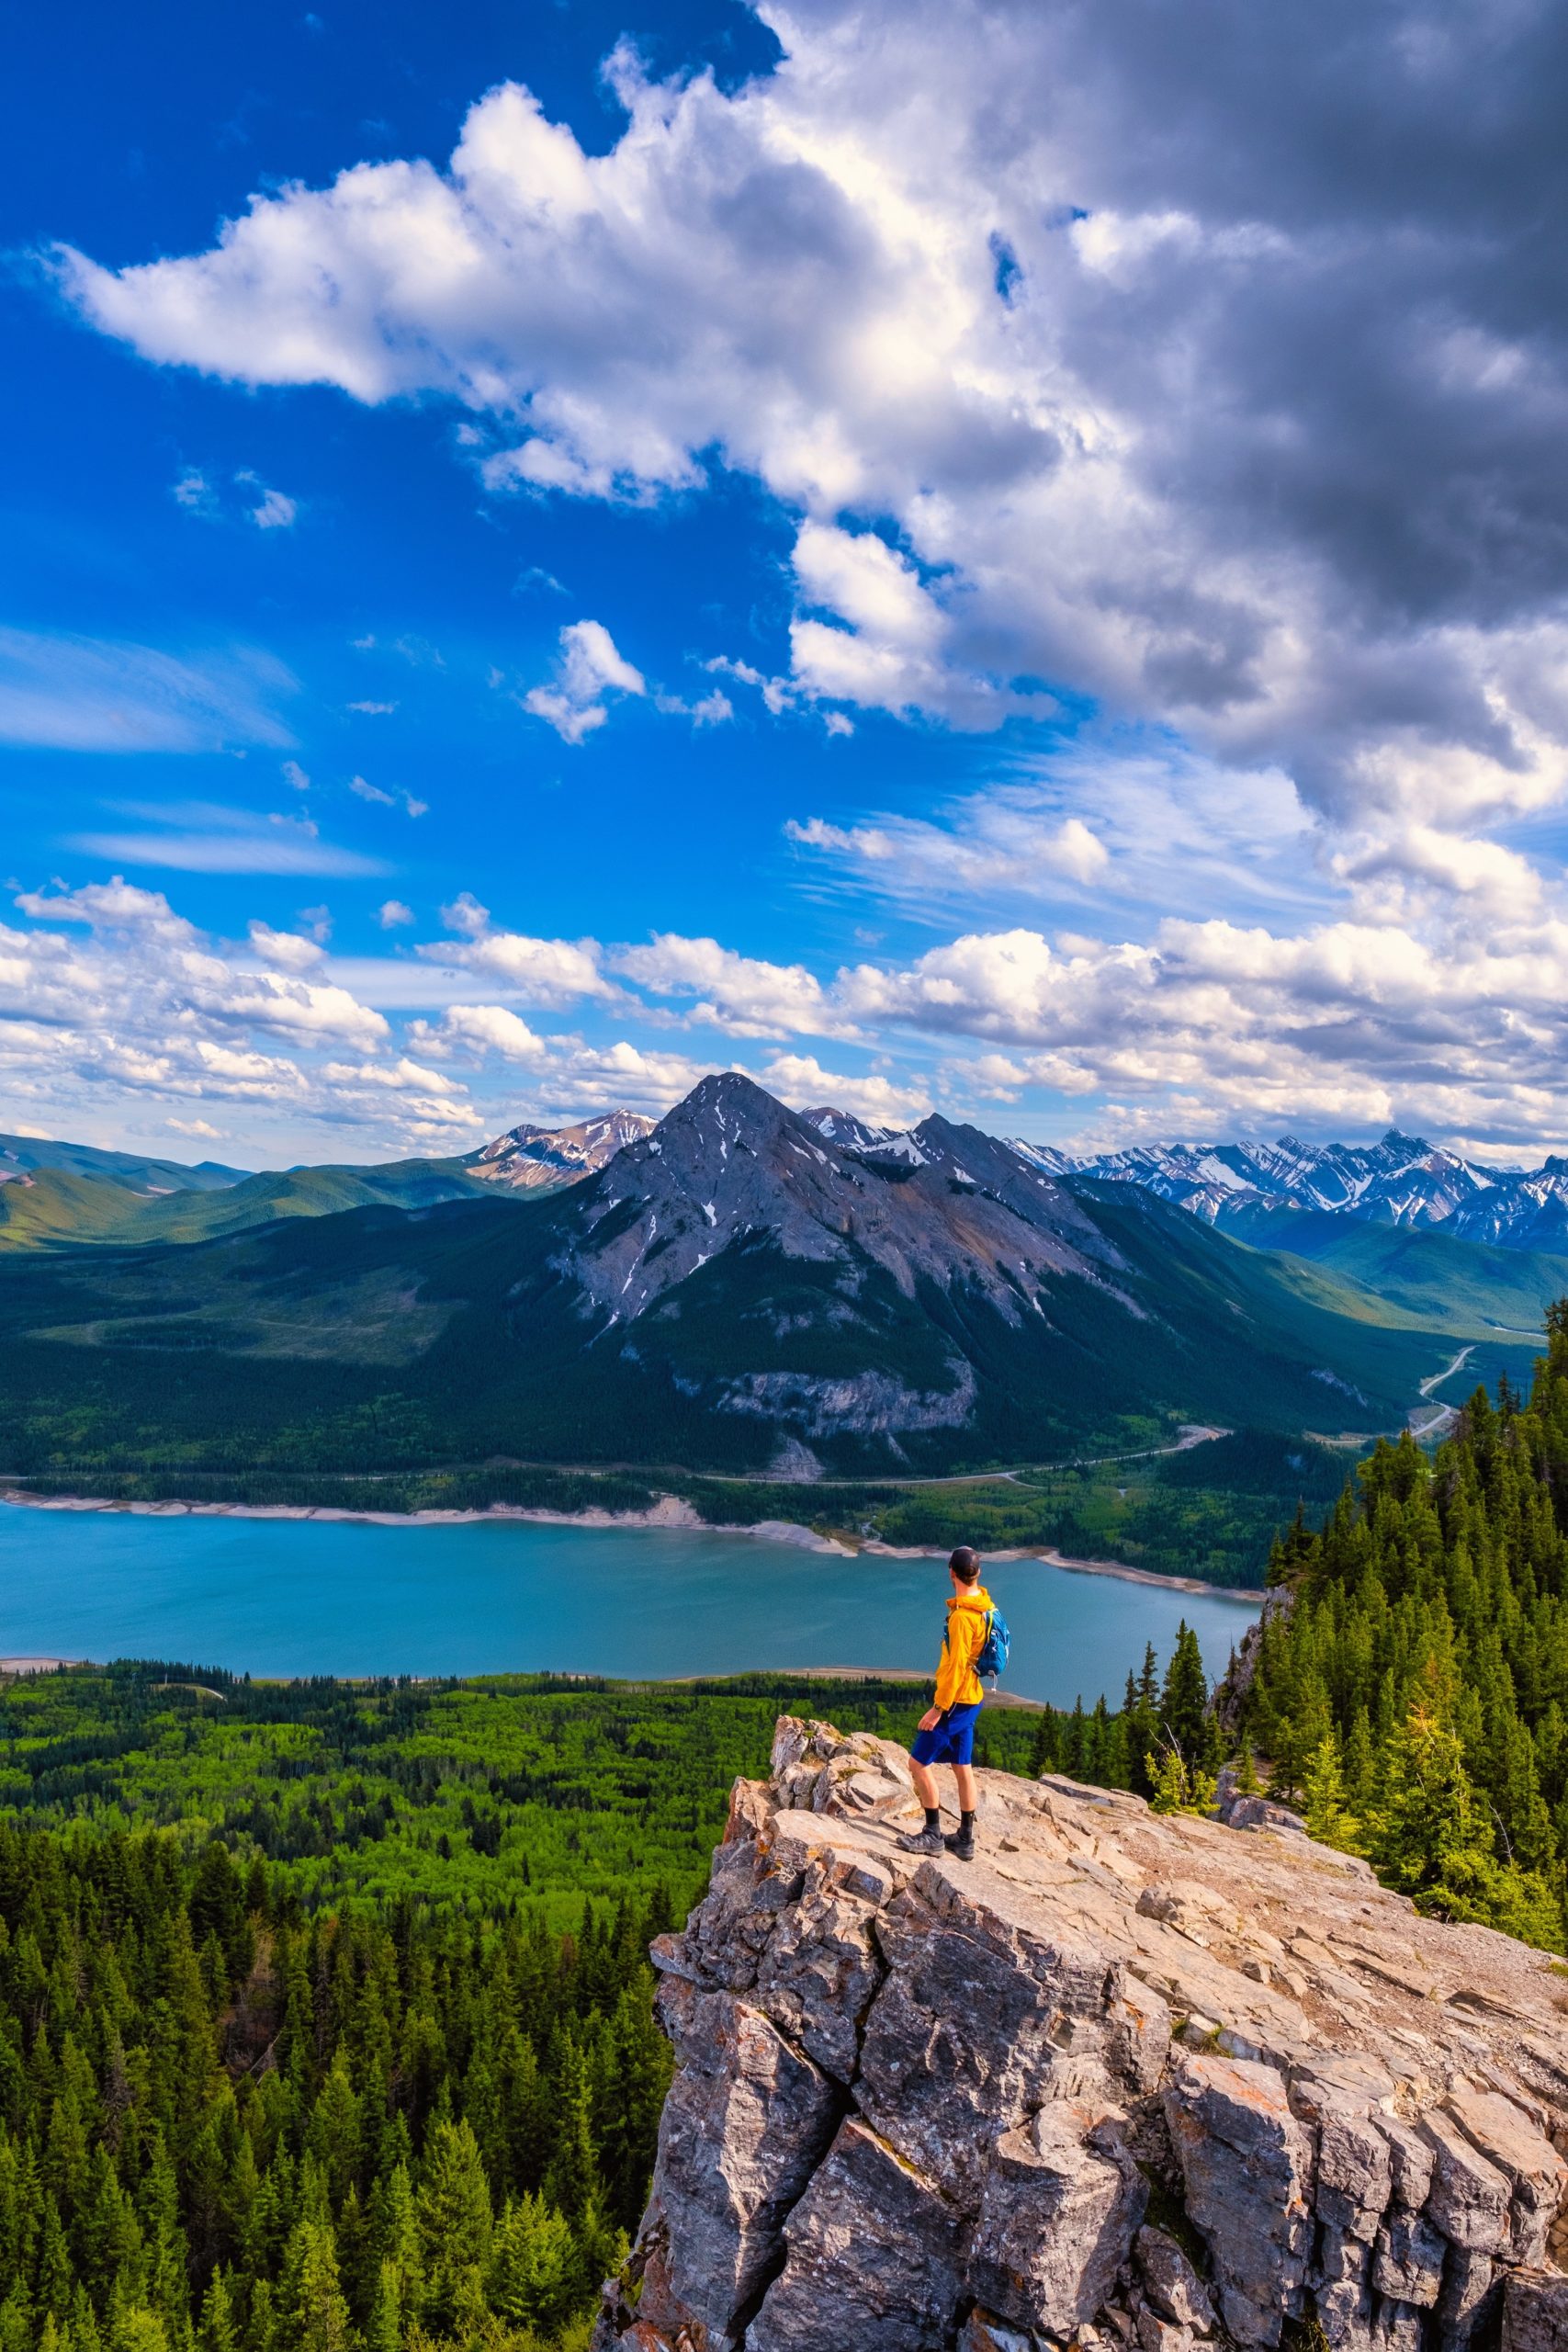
x=202 y=837
x=83 y=694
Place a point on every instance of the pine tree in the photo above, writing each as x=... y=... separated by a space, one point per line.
x=1184 y=1701
x=315 y=2309
x=1428 y=1839
x=219 y=2331
x=1328 y=1815
x=454 y=2220
x=1180 y=1787
x=533 y=2273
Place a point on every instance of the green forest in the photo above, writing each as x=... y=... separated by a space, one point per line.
x=325 y=2013
x=1414 y=1694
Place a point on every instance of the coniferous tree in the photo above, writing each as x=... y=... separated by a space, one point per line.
x=1328 y=1815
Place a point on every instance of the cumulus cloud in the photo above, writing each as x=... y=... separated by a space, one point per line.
x=588 y=671
x=109 y=995
x=392 y=915
x=737 y=994
x=545 y=972
x=801 y=1081
x=288 y=950
x=481 y=1029
x=1257 y=433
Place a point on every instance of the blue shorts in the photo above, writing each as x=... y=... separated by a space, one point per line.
x=951 y=1741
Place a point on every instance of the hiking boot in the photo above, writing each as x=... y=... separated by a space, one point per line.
x=924 y=1842
x=960 y=1844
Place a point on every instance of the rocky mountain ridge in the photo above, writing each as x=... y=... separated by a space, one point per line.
x=1401 y=1181
x=730 y=1161
x=1123 y=2082
x=538 y=1160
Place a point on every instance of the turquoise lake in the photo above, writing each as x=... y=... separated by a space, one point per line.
x=293 y=1597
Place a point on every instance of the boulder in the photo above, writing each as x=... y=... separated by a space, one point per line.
x=922 y=2105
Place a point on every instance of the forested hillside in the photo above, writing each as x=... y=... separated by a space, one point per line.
x=1414 y=1687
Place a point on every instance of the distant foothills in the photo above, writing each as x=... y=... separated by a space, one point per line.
x=741 y=1288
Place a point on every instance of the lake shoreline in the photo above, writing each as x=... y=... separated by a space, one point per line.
x=669 y=1513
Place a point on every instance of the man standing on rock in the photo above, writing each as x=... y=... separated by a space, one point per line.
x=946 y=1734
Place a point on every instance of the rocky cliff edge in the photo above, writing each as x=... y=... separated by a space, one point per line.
x=1133 y=2083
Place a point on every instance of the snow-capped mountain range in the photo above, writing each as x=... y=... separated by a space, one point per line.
x=1401 y=1181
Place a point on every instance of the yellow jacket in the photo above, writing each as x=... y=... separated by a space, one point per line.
x=957 y=1684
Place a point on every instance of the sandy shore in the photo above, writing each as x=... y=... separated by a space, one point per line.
x=670 y=1512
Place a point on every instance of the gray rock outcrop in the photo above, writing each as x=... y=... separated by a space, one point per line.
x=1130 y=2083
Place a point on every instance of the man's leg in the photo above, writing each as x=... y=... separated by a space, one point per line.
x=926 y=1840
x=962 y=1841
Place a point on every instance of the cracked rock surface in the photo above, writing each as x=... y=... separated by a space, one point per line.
x=1130 y=2083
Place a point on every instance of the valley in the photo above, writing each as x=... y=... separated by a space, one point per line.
x=766 y=1313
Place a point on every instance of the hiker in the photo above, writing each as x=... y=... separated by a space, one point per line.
x=946 y=1733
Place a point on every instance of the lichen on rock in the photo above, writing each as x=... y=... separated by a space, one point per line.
x=1132 y=2083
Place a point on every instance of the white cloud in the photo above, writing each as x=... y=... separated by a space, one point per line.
x=401 y=798
x=80 y=694
x=202 y=837
x=739 y=994
x=588 y=669
x=295 y=775
x=193 y=492
x=538 y=971
x=800 y=1079
x=285 y=949
x=145 y=1006
x=273 y=511
x=392 y=915
x=996 y=853
x=481 y=1029
x=373 y=709
x=710 y=710
x=467 y=915
x=1258 y=451
x=642 y=1077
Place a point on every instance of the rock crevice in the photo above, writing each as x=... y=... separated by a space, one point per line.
x=1132 y=2083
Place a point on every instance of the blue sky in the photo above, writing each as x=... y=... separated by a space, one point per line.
x=819 y=543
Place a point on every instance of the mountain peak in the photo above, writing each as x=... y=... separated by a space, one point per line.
x=542 y=1159
x=731 y=1092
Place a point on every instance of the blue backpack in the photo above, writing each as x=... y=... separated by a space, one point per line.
x=992 y=1658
